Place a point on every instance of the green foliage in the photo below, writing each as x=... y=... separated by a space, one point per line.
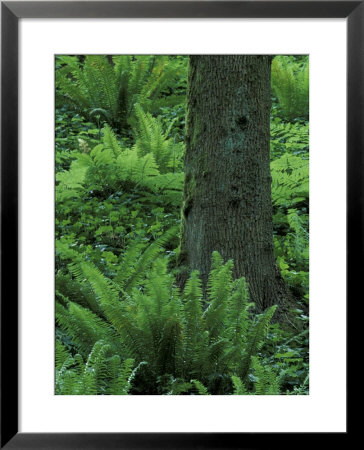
x=119 y=152
x=239 y=387
x=263 y=381
x=290 y=192
x=266 y=381
x=111 y=196
x=289 y=149
x=71 y=129
x=255 y=339
x=290 y=84
x=150 y=138
x=107 y=89
x=288 y=354
x=146 y=319
x=101 y=373
x=289 y=180
x=287 y=137
x=200 y=387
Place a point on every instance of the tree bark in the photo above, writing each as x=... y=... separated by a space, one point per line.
x=227 y=193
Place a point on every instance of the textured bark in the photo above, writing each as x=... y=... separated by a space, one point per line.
x=227 y=194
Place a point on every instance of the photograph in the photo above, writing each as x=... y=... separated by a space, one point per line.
x=181 y=224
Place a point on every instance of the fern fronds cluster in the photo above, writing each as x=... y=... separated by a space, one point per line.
x=101 y=372
x=288 y=137
x=101 y=194
x=290 y=83
x=263 y=379
x=290 y=180
x=290 y=197
x=107 y=89
x=143 y=316
x=122 y=325
x=150 y=138
x=143 y=166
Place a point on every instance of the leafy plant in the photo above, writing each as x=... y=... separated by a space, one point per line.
x=119 y=148
x=101 y=373
x=263 y=379
x=150 y=138
x=288 y=354
x=290 y=191
x=290 y=185
x=144 y=317
x=112 y=195
x=290 y=84
x=290 y=138
x=107 y=89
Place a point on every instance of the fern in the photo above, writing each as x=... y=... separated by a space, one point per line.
x=150 y=138
x=239 y=310
x=290 y=183
x=290 y=194
x=99 y=374
x=61 y=354
x=106 y=293
x=194 y=338
x=201 y=389
x=266 y=381
x=112 y=89
x=110 y=141
x=77 y=292
x=238 y=320
x=179 y=386
x=239 y=387
x=134 y=168
x=70 y=183
x=255 y=339
x=84 y=327
x=290 y=83
x=219 y=289
x=287 y=137
x=120 y=177
x=144 y=317
x=135 y=262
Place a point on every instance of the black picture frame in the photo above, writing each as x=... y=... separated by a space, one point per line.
x=11 y=12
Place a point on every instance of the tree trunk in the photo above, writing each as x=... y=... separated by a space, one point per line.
x=227 y=193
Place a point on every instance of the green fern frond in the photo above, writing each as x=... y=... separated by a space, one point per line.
x=144 y=317
x=239 y=387
x=107 y=294
x=219 y=289
x=77 y=292
x=195 y=350
x=100 y=374
x=266 y=381
x=61 y=354
x=255 y=339
x=178 y=387
x=84 y=327
x=137 y=273
x=290 y=180
x=239 y=311
x=116 y=87
x=201 y=389
x=150 y=138
x=290 y=83
x=109 y=140
x=70 y=183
